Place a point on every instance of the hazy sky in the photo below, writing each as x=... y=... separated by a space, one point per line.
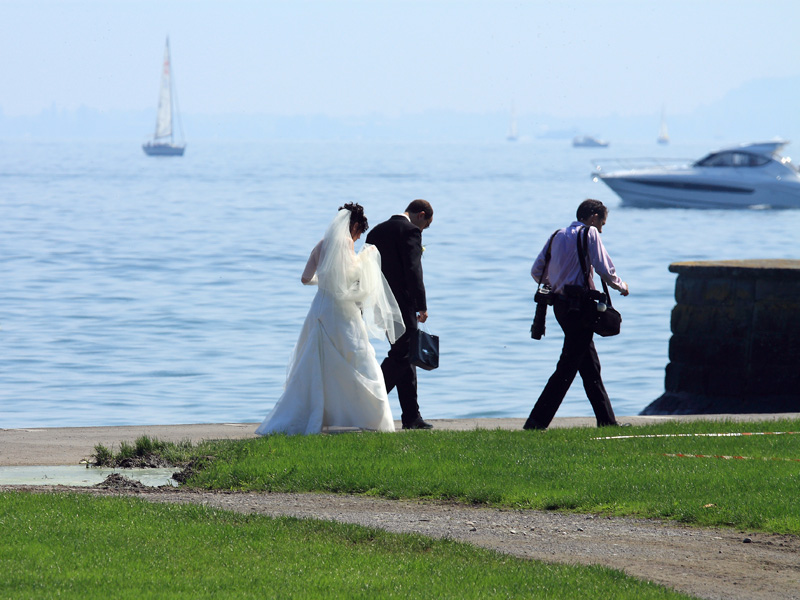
x=341 y=57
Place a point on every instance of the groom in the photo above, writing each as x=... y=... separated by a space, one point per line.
x=399 y=240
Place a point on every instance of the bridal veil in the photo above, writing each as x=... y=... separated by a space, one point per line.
x=351 y=277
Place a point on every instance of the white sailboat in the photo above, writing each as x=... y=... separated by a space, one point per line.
x=663 y=135
x=163 y=142
x=512 y=129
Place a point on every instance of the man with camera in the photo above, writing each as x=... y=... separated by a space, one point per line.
x=559 y=266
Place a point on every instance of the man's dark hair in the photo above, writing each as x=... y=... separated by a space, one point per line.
x=591 y=207
x=418 y=206
x=357 y=216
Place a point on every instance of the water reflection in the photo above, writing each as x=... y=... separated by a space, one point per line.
x=81 y=476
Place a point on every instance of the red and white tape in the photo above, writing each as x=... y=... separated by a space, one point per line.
x=669 y=435
x=730 y=457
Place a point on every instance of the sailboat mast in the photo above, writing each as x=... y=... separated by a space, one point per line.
x=164 y=118
x=171 y=95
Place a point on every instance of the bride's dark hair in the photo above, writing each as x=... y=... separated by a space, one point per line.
x=357 y=216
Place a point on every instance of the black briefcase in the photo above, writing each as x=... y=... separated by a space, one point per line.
x=425 y=350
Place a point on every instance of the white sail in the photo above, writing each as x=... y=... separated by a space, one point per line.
x=512 y=129
x=663 y=134
x=163 y=143
x=164 y=118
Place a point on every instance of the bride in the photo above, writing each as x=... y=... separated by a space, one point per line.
x=333 y=378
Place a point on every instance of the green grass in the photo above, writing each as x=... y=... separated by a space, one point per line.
x=77 y=546
x=148 y=450
x=560 y=469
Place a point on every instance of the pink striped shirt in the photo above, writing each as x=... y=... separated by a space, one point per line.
x=565 y=268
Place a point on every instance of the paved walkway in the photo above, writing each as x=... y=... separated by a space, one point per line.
x=70 y=445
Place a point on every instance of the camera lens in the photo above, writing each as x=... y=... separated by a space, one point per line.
x=537 y=329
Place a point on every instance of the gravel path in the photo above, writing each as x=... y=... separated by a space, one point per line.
x=707 y=563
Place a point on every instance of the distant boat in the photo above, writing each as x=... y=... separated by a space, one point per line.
x=512 y=128
x=163 y=143
x=587 y=141
x=663 y=134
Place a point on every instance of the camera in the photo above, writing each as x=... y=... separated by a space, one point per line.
x=543 y=298
x=599 y=299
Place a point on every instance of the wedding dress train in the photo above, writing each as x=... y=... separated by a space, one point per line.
x=333 y=378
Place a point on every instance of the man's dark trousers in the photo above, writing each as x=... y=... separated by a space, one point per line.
x=400 y=373
x=578 y=355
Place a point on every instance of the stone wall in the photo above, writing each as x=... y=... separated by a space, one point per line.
x=735 y=344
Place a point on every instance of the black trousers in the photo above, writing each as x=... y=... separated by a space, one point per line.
x=577 y=356
x=398 y=372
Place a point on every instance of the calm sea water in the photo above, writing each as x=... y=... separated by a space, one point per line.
x=137 y=290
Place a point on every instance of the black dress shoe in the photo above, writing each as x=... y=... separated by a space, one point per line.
x=533 y=425
x=417 y=423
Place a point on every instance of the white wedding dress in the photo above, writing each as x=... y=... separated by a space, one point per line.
x=333 y=378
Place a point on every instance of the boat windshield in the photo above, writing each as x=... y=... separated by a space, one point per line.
x=733 y=159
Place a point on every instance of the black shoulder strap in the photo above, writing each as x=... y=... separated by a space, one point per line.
x=583 y=257
x=583 y=252
x=547 y=257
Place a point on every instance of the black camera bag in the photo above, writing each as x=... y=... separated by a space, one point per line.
x=604 y=323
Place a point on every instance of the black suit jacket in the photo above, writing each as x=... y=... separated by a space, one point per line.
x=400 y=245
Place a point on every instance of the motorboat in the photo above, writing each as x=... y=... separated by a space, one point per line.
x=163 y=142
x=745 y=176
x=587 y=141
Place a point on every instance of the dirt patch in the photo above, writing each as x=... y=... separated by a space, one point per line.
x=191 y=468
x=115 y=481
x=707 y=563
